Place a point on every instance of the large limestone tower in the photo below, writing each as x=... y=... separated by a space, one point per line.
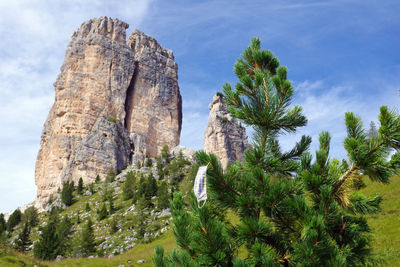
x=116 y=100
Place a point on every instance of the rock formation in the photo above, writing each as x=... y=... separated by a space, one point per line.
x=116 y=100
x=224 y=137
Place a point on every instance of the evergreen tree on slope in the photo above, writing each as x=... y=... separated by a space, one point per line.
x=293 y=210
x=88 y=242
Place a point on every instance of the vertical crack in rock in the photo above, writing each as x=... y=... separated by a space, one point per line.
x=129 y=98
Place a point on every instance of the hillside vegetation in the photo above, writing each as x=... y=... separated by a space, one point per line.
x=385 y=228
x=128 y=210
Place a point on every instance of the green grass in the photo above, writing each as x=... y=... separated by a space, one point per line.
x=140 y=251
x=386 y=224
x=11 y=258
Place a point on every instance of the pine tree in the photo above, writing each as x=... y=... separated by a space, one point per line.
x=143 y=203
x=54 y=239
x=63 y=234
x=87 y=241
x=372 y=132
x=293 y=211
x=97 y=179
x=148 y=162
x=160 y=167
x=163 y=196
x=3 y=225
x=142 y=186
x=111 y=206
x=14 y=220
x=46 y=247
x=87 y=207
x=31 y=216
x=151 y=187
x=23 y=238
x=67 y=193
x=107 y=191
x=103 y=213
x=129 y=186
x=79 y=188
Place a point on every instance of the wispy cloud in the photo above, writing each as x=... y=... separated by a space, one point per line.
x=325 y=106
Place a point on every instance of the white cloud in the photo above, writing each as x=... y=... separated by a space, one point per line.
x=325 y=106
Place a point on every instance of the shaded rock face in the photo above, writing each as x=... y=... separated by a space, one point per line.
x=115 y=100
x=224 y=137
x=153 y=95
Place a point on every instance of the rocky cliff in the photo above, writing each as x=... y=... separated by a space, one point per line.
x=224 y=136
x=116 y=100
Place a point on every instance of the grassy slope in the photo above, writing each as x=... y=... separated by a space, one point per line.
x=386 y=225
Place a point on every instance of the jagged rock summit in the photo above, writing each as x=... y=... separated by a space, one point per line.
x=116 y=100
x=224 y=136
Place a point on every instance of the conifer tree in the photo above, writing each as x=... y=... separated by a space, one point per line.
x=54 y=239
x=23 y=238
x=148 y=163
x=293 y=210
x=79 y=188
x=103 y=213
x=151 y=186
x=97 y=179
x=163 y=197
x=129 y=186
x=142 y=186
x=87 y=207
x=160 y=165
x=31 y=216
x=63 y=234
x=143 y=203
x=46 y=247
x=87 y=241
x=67 y=193
x=3 y=225
x=107 y=191
x=14 y=220
x=111 y=206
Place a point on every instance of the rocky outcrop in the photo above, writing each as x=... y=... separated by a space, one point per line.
x=153 y=96
x=224 y=136
x=187 y=153
x=116 y=100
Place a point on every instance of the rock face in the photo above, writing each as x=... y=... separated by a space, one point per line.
x=116 y=100
x=224 y=137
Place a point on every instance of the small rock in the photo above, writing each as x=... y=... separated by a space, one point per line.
x=59 y=257
x=165 y=213
x=141 y=261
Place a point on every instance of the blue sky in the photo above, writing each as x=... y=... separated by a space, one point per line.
x=342 y=55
